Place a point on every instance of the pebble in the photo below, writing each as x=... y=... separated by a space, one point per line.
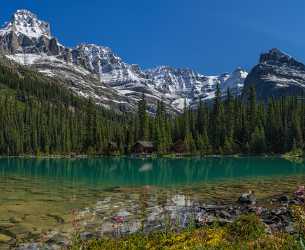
x=6 y=225
x=5 y=238
x=284 y=199
x=86 y=235
x=276 y=219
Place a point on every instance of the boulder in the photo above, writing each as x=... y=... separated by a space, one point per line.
x=225 y=215
x=58 y=239
x=300 y=192
x=247 y=198
x=283 y=199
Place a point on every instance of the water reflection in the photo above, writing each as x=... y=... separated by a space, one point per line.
x=137 y=172
x=39 y=195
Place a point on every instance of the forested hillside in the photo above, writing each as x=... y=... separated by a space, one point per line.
x=230 y=126
x=40 y=116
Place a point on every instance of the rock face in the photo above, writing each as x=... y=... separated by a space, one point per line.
x=193 y=86
x=95 y=71
x=277 y=74
x=25 y=34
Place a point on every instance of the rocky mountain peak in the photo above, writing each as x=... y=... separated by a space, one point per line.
x=277 y=74
x=94 y=49
x=240 y=72
x=96 y=71
x=279 y=58
x=26 y=23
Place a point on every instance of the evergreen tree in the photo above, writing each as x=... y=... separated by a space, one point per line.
x=143 y=119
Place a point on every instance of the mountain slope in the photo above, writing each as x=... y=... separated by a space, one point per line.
x=277 y=74
x=95 y=71
x=40 y=116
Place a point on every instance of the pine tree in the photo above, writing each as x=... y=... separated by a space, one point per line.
x=143 y=119
x=218 y=121
x=258 y=143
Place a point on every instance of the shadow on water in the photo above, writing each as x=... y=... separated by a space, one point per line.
x=155 y=172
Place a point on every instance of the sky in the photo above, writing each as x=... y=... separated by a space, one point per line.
x=210 y=37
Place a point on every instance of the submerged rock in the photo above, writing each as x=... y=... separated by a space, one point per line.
x=58 y=239
x=225 y=215
x=300 y=192
x=57 y=218
x=6 y=225
x=15 y=220
x=247 y=198
x=5 y=238
x=283 y=199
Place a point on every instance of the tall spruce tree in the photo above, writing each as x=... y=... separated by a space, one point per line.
x=143 y=119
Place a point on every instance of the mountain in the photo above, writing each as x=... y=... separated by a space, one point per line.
x=277 y=74
x=97 y=72
x=186 y=84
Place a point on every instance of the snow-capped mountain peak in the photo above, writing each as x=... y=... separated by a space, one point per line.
x=235 y=81
x=96 y=71
x=26 y=23
x=277 y=74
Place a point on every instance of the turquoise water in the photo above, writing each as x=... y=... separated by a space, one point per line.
x=157 y=172
x=39 y=196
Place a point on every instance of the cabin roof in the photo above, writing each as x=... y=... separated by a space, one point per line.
x=111 y=143
x=146 y=144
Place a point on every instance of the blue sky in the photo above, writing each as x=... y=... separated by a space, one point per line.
x=209 y=36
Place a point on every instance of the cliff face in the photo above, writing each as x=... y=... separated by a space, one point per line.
x=277 y=74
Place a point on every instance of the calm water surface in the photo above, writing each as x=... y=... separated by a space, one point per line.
x=113 y=172
x=39 y=195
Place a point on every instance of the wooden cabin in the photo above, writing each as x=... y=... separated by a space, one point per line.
x=143 y=147
x=179 y=147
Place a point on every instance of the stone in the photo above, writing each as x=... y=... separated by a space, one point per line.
x=290 y=228
x=5 y=238
x=6 y=225
x=279 y=211
x=284 y=199
x=29 y=246
x=300 y=192
x=86 y=236
x=247 y=198
x=59 y=240
x=225 y=215
x=15 y=220
x=57 y=218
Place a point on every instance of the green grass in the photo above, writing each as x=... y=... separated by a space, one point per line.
x=248 y=232
x=296 y=155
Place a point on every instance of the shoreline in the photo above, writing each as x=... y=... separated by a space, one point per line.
x=152 y=156
x=277 y=215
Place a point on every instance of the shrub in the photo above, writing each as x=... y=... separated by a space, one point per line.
x=247 y=227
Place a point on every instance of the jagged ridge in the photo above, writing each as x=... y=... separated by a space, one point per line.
x=277 y=74
x=95 y=71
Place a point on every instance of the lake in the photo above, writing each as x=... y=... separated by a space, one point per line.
x=42 y=196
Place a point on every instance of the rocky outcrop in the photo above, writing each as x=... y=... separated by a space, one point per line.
x=277 y=74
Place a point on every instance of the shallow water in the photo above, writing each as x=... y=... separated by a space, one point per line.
x=40 y=195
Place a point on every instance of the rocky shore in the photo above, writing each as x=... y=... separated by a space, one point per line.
x=180 y=213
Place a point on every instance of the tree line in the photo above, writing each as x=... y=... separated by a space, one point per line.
x=230 y=125
x=39 y=116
